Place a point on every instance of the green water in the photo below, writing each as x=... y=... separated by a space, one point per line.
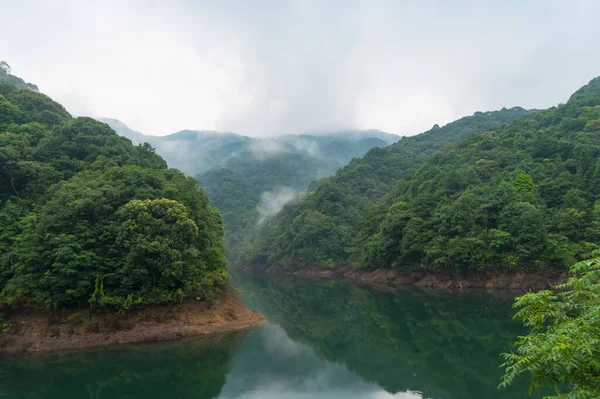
x=323 y=339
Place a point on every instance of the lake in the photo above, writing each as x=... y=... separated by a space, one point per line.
x=323 y=339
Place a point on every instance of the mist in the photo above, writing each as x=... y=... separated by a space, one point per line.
x=272 y=202
x=272 y=68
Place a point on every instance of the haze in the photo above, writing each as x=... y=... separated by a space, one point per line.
x=278 y=67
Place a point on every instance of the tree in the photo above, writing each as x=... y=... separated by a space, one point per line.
x=5 y=67
x=87 y=217
x=158 y=238
x=563 y=346
x=524 y=183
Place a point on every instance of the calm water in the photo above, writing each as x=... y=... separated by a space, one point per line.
x=324 y=339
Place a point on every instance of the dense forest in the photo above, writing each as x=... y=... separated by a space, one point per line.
x=249 y=179
x=251 y=187
x=336 y=206
x=477 y=193
x=88 y=217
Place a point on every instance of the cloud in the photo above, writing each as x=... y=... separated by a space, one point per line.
x=274 y=67
x=272 y=202
x=266 y=148
x=310 y=147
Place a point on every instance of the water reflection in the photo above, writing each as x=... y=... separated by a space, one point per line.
x=324 y=339
x=438 y=343
x=184 y=369
x=271 y=365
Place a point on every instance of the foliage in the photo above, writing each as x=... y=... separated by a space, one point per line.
x=478 y=193
x=347 y=200
x=6 y=77
x=248 y=182
x=86 y=216
x=244 y=175
x=563 y=346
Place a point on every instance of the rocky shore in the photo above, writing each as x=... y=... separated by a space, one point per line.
x=390 y=278
x=36 y=329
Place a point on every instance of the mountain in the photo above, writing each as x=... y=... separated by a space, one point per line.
x=484 y=192
x=197 y=151
x=250 y=179
x=190 y=151
x=123 y=130
x=323 y=227
x=89 y=219
x=254 y=185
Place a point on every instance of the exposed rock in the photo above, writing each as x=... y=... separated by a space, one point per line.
x=389 y=278
x=35 y=330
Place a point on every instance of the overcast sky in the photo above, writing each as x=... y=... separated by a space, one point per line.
x=274 y=67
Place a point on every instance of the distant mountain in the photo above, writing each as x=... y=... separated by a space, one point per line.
x=250 y=179
x=123 y=130
x=349 y=135
x=190 y=151
x=197 y=151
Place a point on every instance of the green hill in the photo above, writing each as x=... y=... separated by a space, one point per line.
x=88 y=217
x=250 y=179
x=478 y=193
x=252 y=186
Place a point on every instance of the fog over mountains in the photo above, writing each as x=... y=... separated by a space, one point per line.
x=197 y=151
x=250 y=179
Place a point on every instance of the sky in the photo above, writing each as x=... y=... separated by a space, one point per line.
x=272 y=67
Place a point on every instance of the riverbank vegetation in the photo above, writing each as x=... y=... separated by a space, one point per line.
x=563 y=345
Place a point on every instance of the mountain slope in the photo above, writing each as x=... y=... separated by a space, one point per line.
x=258 y=181
x=250 y=179
x=7 y=78
x=321 y=229
x=190 y=151
x=520 y=195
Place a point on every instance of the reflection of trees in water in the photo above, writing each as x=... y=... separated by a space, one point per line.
x=182 y=369
x=443 y=344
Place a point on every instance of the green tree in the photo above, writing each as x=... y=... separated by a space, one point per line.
x=4 y=67
x=86 y=215
x=158 y=238
x=563 y=346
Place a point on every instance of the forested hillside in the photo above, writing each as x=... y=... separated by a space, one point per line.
x=249 y=179
x=522 y=195
x=252 y=186
x=88 y=217
x=324 y=227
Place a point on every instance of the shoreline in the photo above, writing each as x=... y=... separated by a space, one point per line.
x=39 y=330
x=385 y=278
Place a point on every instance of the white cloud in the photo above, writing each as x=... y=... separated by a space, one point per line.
x=271 y=67
x=272 y=202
